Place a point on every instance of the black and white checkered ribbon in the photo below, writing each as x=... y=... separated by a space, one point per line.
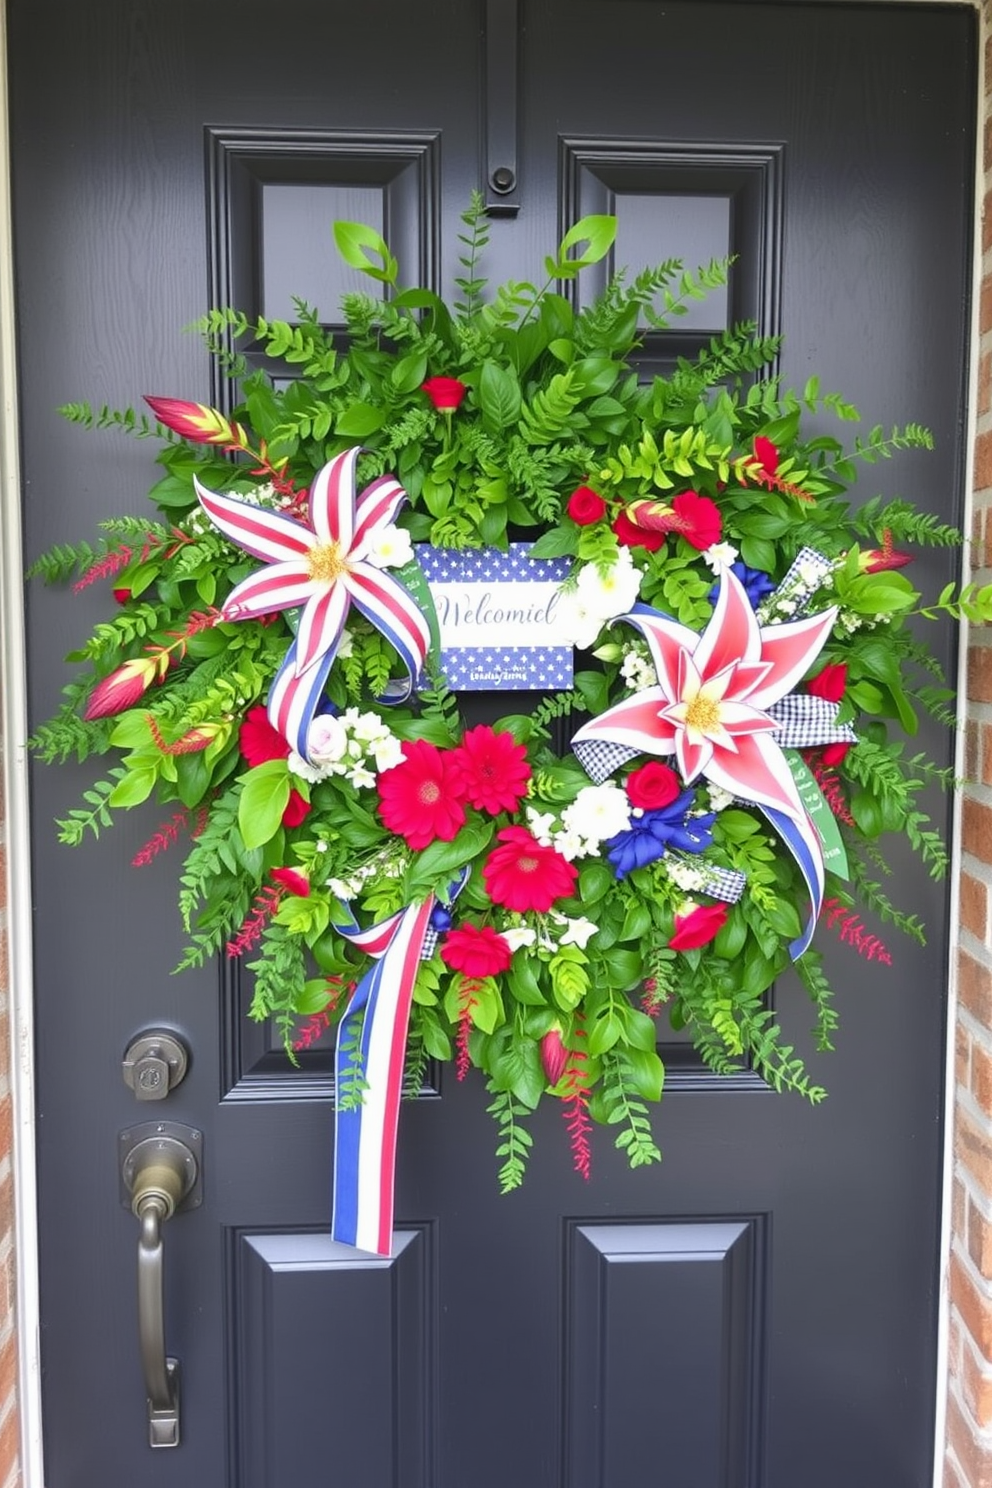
x=599 y=758
x=804 y=720
x=431 y=938
x=724 y=883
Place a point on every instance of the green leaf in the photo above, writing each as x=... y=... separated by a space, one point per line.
x=136 y=787
x=595 y=882
x=359 y=420
x=440 y=858
x=264 y=797
x=409 y=372
x=499 y=396
x=360 y=245
x=557 y=542
x=523 y=983
x=597 y=233
x=647 y=1073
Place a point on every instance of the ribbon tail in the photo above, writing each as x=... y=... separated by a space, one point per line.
x=365 y=1133
x=293 y=701
x=802 y=840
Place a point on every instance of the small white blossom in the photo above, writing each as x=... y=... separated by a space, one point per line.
x=541 y=824
x=720 y=555
x=571 y=845
x=638 y=672
x=368 y=727
x=598 y=812
x=390 y=548
x=684 y=875
x=361 y=778
x=299 y=767
x=343 y=888
x=577 y=932
x=719 y=798
x=387 y=753
x=519 y=935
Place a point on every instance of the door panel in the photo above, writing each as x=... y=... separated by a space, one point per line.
x=761 y=1309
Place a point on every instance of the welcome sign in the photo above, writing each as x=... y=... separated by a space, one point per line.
x=498 y=618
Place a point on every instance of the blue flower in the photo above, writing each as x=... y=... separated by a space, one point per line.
x=756 y=583
x=649 y=835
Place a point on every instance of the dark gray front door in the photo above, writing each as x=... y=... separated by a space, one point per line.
x=761 y=1310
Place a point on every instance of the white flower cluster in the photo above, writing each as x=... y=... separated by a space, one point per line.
x=597 y=813
x=684 y=875
x=637 y=668
x=356 y=745
x=719 y=798
x=381 y=866
x=598 y=597
x=794 y=593
x=577 y=932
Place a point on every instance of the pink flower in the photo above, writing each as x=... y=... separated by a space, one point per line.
x=645 y=524
x=629 y=535
x=121 y=689
x=523 y=875
x=446 y=393
x=494 y=769
x=554 y=1055
x=698 y=926
x=423 y=799
x=476 y=951
x=653 y=786
x=294 y=879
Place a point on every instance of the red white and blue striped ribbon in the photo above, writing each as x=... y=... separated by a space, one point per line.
x=365 y=1134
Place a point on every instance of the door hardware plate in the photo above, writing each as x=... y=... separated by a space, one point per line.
x=129 y=1140
x=155 y=1062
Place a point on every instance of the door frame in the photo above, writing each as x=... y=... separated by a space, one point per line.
x=15 y=817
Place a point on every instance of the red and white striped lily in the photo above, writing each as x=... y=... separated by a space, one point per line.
x=324 y=566
x=711 y=708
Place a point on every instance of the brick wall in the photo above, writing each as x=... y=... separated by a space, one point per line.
x=968 y=1449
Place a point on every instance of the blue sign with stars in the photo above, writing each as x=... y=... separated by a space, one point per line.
x=498 y=617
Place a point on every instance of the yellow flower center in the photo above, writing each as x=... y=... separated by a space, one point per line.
x=325 y=564
x=702 y=713
x=429 y=793
x=527 y=865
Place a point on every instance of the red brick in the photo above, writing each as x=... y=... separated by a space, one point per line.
x=976 y=823
x=974 y=906
x=976 y=1462
x=973 y=1146
x=986 y=226
x=985 y=383
x=983 y=461
x=975 y=988
x=976 y=1386
x=980 y=674
x=985 y=306
x=985 y=749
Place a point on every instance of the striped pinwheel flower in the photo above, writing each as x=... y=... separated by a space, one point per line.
x=323 y=566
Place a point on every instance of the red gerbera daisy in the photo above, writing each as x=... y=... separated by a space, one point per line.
x=259 y=742
x=422 y=799
x=476 y=951
x=524 y=875
x=494 y=769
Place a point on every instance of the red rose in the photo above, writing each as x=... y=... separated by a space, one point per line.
x=652 y=786
x=698 y=927
x=830 y=682
x=585 y=506
x=476 y=951
x=444 y=392
x=629 y=535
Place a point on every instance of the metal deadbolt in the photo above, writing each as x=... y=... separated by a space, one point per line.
x=503 y=179
x=155 y=1062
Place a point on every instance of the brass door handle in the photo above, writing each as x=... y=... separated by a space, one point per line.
x=160 y=1173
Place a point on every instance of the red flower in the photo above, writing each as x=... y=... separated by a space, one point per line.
x=766 y=454
x=652 y=786
x=554 y=1056
x=698 y=519
x=444 y=392
x=121 y=689
x=121 y=595
x=258 y=740
x=524 y=875
x=476 y=951
x=832 y=754
x=293 y=879
x=632 y=536
x=494 y=769
x=698 y=927
x=585 y=506
x=829 y=683
x=422 y=799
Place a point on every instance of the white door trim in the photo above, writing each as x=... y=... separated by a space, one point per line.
x=13 y=722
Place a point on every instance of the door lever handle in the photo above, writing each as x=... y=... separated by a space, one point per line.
x=160 y=1175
